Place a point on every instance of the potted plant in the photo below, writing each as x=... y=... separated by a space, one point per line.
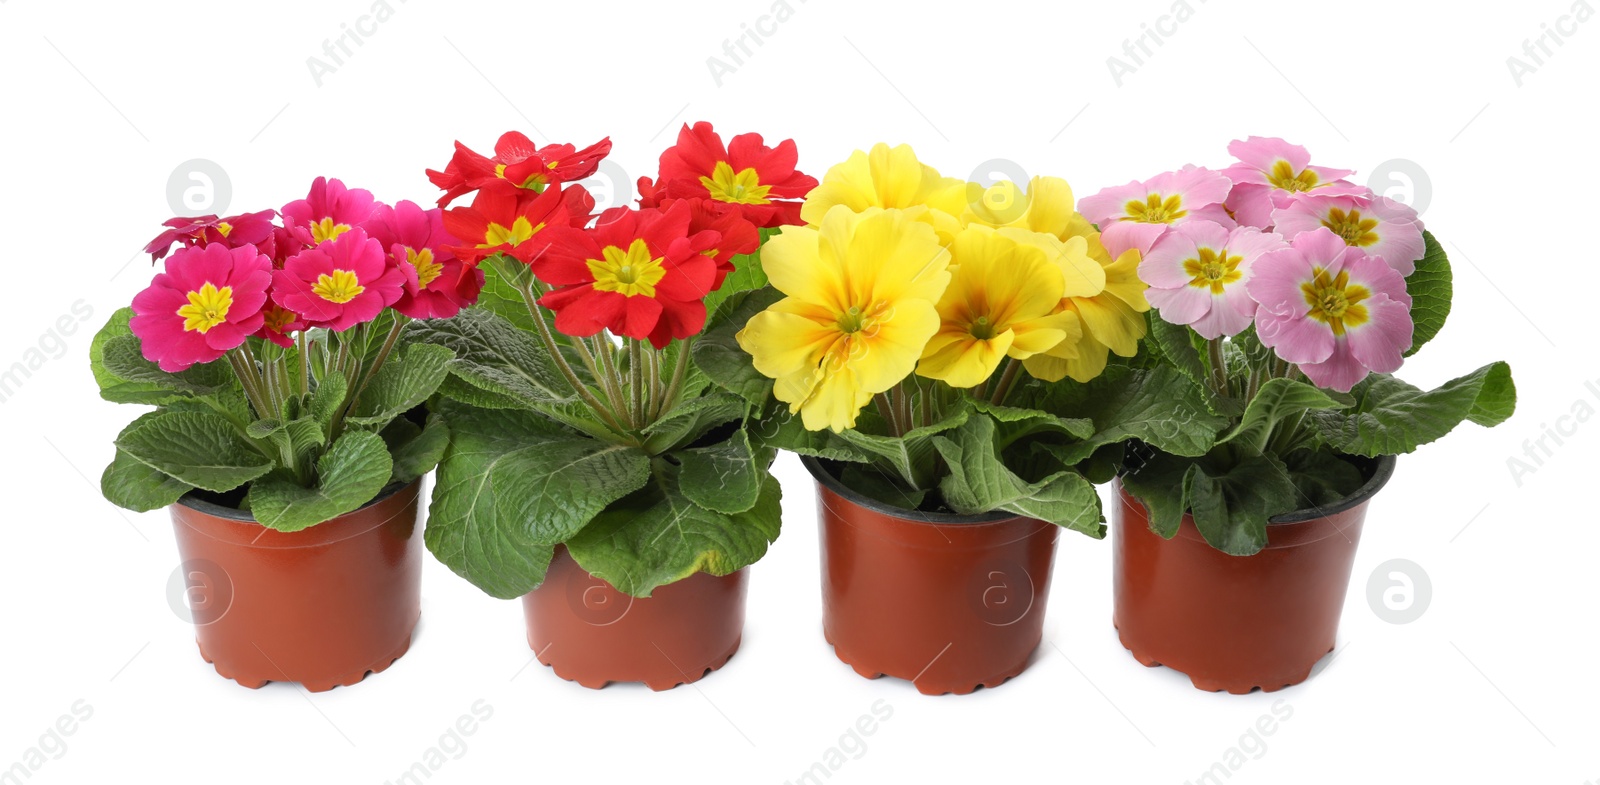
x=1285 y=297
x=594 y=469
x=288 y=435
x=927 y=343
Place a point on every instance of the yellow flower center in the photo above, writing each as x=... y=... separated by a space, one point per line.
x=427 y=269
x=981 y=328
x=277 y=319
x=520 y=232
x=1155 y=210
x=340 y=287
x=857 y=326
x=630 y=272
x=1283 y=176
x=207 y=308
x=1352 y=227
x=224 y=228
x=742 y=188
x=326 y=229
x=1335 y=301
x=1213 y=269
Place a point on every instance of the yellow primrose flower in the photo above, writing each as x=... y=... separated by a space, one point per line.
x=891 y=178
x=1047 y=206
x=861 y=289
x=1004 y=300
x=1098 y=291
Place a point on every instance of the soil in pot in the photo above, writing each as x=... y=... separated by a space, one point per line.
x=1237 y=623
x=323 y=606
x=950 y=603
x=589 y=632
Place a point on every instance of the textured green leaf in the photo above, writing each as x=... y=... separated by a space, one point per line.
x=407 y=378
x=1176 y=344
x=691 y=419
x=140 y=381
x=725 y=477
x=1279 y=399
x=416 y=451
x=875 y=482
x=1431 y=289
x=1321 y=478
x=328 y=397
x=979 y=482
x=133 y=485
x=658 y=536
x=747 y=275
x=913 y=456
x=196 y=448
x=1232 y=504
x=718 y=355
x=1391 y=417
x=780 y=429
x=1156 y=480
x=1158 y=406
x=493 y=355
x=350 y=473
x=512 y=485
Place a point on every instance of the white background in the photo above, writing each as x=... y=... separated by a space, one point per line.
x=1495 y=682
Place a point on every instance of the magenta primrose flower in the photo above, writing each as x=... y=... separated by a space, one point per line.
x=328 y=211
x=437 y=284
x=1378 y=225
x=340 y=283
x=207 y=302
x=1331 y=309
x=1198 y=274
x=1270 y=172
x=1136 y=214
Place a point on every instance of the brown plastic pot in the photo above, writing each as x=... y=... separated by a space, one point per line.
x=1237 y=623
x=323 y=606
x=947 y=602
x=590 y=633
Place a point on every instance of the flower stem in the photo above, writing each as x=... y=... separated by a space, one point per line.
x=1219 y=367
x=886 y=409
x=1007 y=379
x=250 y=381
x=305 y=362
x=636 y=376
x=554 y=350
x=680 y=370
x=656 y=389
x=366 y=377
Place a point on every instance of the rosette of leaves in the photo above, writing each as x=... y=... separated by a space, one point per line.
x=314 y=432
x=1283 y=444
x=667 y=484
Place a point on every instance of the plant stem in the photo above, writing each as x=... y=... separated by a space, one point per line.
x=554 y=350
x=680 y=370
x=1007 y=379
x=1219 y=367
x=613 y=379
x=636 y=374
x=305 y=362
x=383 y=356
x=886 y=408
x=902 y=400
x=656 y=390
x=250 y=381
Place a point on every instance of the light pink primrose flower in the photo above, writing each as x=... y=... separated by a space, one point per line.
x=1271 y=171
x=1378 y=225
x=1331 y=309
x=207 y=302
x=1197 y=274
x=1143 y=210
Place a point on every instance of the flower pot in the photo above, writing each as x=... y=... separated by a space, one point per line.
x=948 y=602
x=1237 y=623
x=323 y=606
x=590 y=633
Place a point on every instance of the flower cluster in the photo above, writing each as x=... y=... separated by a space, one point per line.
x=900 y=270
x=1315 y=262
x=336 y=259
x=638 y=272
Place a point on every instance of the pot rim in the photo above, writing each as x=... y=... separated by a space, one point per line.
x=229 y=513
x=1382 y=471
x=821 y=473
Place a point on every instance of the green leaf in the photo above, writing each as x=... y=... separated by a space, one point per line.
x=1158 y=406
x=874 y=482
x=779 y=429
x=718 y=355
x=328 y=397
x=1176 y=345
x=493 y=355
x=658 y=536
x=511 y=486
x=690 y=420
x=725 y=477
x=196 y=448
x=351 y=473
x=406 y=379
x=136 y=486
x=1321 y=478
x=913 y=456
x=1157 y=480
x=1232 y=504
x=979 y=482
x=141 y=381
x=1276 y=400
x=747 y=275
x=1431 y=289
x=416 y=451
x=1393 y=418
